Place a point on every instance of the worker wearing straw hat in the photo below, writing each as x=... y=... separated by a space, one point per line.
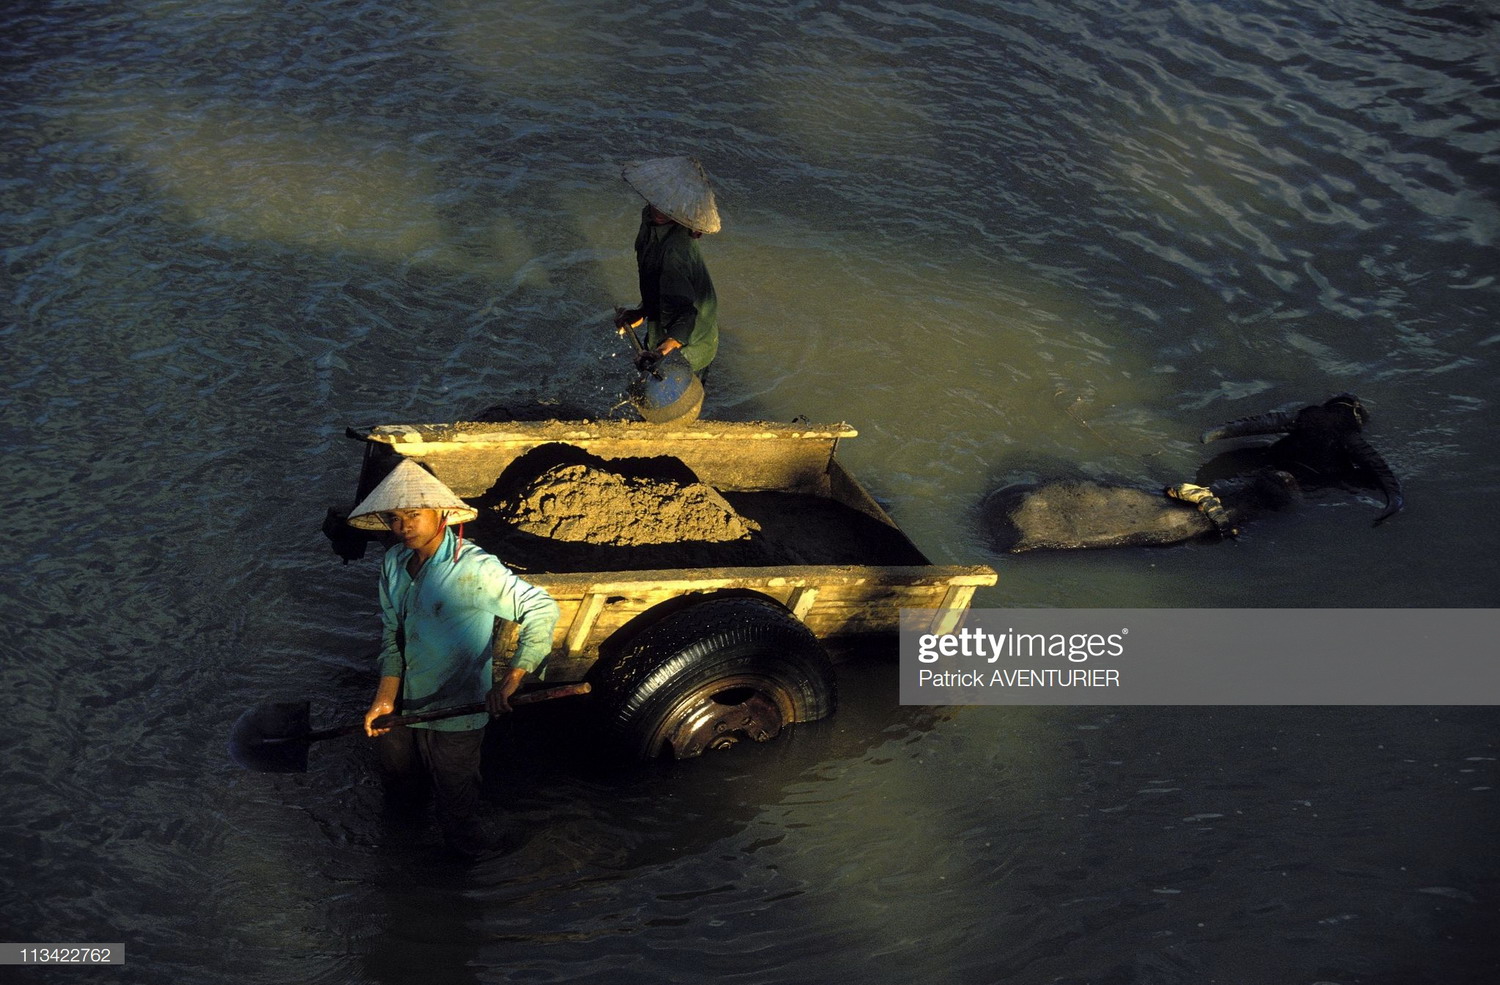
x=439 y=599
x=677 y=296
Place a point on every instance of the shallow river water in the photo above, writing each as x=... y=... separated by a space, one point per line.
x=1004 y=240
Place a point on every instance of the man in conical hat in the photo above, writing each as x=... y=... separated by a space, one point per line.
x=439 y=599
x=678 y=302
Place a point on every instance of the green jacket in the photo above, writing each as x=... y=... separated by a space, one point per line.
x=677 y=295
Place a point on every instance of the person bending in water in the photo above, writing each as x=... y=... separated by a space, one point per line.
x=678 y=302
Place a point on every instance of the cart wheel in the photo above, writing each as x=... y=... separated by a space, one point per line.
x=712 y=675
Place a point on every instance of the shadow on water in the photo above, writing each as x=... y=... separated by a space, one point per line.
x=604 y=854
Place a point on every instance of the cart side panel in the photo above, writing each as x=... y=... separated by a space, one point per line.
x=845 y=489
x=833 y=601
x=731 y=456
x=875 y=609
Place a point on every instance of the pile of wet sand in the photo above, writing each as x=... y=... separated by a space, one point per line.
x=566 y=511
x=585 y=505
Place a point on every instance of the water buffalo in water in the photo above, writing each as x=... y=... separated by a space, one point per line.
x=1320 y=446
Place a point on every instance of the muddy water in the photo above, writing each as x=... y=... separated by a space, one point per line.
x=1005 y=241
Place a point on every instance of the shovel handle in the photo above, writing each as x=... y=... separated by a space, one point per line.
x=529 y=698
x=641 y=352
x=628 y=328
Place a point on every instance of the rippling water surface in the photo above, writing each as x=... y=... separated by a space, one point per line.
x=1005 y=241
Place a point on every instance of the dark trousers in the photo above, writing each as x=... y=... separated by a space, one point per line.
x=415 y=761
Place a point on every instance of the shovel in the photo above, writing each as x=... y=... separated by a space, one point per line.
x=274 y=738
x=667 y=391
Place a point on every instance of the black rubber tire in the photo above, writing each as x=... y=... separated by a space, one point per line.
x=729 y=651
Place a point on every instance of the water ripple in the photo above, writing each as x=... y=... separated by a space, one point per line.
x=1039 y=239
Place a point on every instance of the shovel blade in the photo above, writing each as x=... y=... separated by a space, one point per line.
x=272 y=738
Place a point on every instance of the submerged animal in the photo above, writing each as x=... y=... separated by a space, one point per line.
x=1321 y=446
x=1074 y=515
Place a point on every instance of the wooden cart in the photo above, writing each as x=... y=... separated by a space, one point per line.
x=684 y=658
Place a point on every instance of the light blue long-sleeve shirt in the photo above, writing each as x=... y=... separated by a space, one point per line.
x=447 y=614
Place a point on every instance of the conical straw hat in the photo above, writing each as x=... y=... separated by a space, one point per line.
x=679 y=187
x=409 y=487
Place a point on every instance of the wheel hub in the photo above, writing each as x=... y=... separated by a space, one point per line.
x=719 y=720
